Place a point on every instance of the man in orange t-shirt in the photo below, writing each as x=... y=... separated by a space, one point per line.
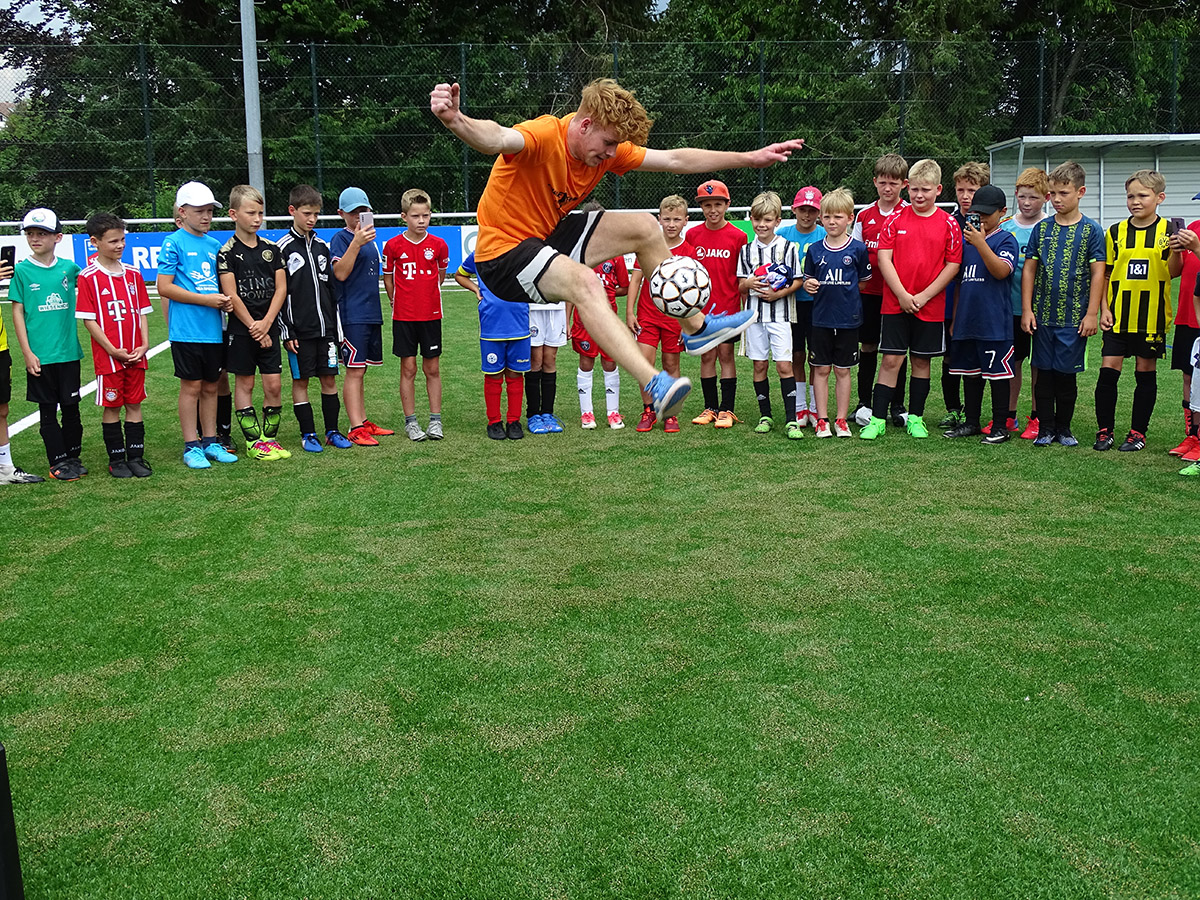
x=529 y=250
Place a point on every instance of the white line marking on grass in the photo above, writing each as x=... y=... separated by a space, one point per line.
x=33 y=418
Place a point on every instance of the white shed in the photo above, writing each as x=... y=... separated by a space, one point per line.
x=1108 y=160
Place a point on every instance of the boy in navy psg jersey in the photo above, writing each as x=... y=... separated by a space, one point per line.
x=981 y=346
x=356 y=269
x=834 y=268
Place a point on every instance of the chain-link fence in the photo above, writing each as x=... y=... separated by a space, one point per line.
x=119 y=126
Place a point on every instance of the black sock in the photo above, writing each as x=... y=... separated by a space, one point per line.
x=709 y=386
x=72 y=430
x=248 y=422
x=1145 y=393
x=304 y=416
x=533 y=394
x=901 y=378
x=867 y=364
x=918 y=392
x=973 y=393
x=1046 y=390
x=224 y=415
x=1066 y=390
x=135 y=439
x=762 y=392
x=1000 y=393
x=270 y=421
x=951 y=395
x=331 y=408
x=1010 y=414
x=787 y=387
x=728 y=392
x=881 y=400
x=1106 y=398
x=549 y=391
x=114 y=441
x=51 y=431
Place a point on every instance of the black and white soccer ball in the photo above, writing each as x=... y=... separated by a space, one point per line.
x=680 y=286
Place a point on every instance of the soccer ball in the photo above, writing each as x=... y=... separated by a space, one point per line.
x=680 y=286
x=778 y=275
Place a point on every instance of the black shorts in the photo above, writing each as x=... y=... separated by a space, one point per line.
x=515 y=275
x=903 y=333
x=198 y=362
x=408 y=337
x=1181 y=347
x=872 y=307
x=362 y=345
x=244 y=355
x=5 y=377
x=313 y=358
x=58 y=383
x=1022 y=342
x=802 y=329
x=833 y=347
x=1129 y=344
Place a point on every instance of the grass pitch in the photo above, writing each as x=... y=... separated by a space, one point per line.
x=605 y=664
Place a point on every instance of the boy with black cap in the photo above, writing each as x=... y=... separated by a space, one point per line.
x=981 y=347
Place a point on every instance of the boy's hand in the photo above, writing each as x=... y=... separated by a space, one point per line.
x=264 y=341
x=444 y=102
x=136 y=354
x=1106 y=318
x=811 y=285
x=33 y=365
x=363 y=235
x=1088 y=326
x=907 y=302
x=292 y=346
x=1188 y=240
x=223 y=302
x=6 y=271
x=770 y=294
x=1029 y=323
x=973 y=236
x=258 y=330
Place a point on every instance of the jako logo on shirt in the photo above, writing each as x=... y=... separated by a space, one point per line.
x=713 y=252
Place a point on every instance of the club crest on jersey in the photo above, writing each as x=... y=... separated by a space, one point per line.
x=847 y=260
x=429 y=253
x=492 y=358
x=267 y=255
x=321 y=263
x=110 y=394
x=607 y=267
x=65 y=282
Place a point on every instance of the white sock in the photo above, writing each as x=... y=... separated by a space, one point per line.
x=6 y=455
x=802 y=395
x=583 y=381
x=812 y=398
x=612 y=391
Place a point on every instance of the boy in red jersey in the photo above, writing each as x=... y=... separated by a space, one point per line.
x=891 y=177
x=920 y=251
x=113 y=304
x=651 y=326
x=1187 y=329
x=614 y=275
x=718 y=244
x=414 y=267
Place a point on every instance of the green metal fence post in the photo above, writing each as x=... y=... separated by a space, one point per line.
x=1174 y=85
x=312 y=68
x=903 y=95
x=142 y=71
x=1041 y=93
x=466 y=157
x=762 y=112
x=616 y=77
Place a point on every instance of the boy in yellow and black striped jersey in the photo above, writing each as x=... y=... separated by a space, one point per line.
x=1142 y=260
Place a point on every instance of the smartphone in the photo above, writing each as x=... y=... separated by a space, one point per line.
x=974 y=220
x=366 y=220
x=1174 y=226
x=8 y=256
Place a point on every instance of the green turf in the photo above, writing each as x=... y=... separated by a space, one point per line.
x=605 y=664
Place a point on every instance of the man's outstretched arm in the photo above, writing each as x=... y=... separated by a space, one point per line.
x=483 y=135
x=689 y=160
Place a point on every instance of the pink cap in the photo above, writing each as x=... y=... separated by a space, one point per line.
x=807 y=196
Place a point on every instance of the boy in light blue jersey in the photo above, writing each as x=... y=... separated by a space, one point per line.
x=504 y=348
x=806 y=207
x=187 y=281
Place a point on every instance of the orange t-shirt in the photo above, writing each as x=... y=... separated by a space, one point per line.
x=529 y=192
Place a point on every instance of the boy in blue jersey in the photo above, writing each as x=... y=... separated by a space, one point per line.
x=1032 y=192
x=806 y=231
x=187 y=281
x=504 y=348
x=981 y=346
x=833 y=269
x=1062 y=285
x=356 y=273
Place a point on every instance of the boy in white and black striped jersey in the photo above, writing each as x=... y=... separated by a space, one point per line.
x=771 y=333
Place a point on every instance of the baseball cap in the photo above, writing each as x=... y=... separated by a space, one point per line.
x=353 y=198
x=712 y=189
x=195 y=194
x=42 y=218
x=988 y=199
x=807 y=196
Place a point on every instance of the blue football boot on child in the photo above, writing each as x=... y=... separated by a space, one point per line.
x=217 y=453
x=311 y=442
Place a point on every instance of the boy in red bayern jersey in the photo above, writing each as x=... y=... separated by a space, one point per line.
x=614 y=275
x=920 y=252
x=718 y=244
x=111 y=300
x=1187 y=329
x=651 y=326
x=545 y=168
x=414 y=267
